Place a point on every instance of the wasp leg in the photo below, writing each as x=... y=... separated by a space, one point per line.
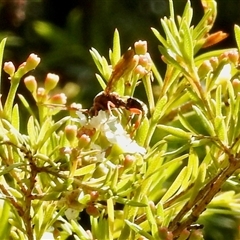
x=139 y=113
x=110 y=106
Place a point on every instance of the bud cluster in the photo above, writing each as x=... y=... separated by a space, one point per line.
x=41 y=94
x=144 y=63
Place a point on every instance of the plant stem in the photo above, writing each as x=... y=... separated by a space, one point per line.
x=201 y=201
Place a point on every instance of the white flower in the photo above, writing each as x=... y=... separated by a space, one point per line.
x=116 y=134
x=225 y=75
x=110 y=127
x=100 y=119
x=82 y=119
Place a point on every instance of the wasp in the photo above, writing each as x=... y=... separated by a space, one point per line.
x=108 y=99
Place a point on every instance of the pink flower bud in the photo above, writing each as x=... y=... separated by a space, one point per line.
x=65 y=151
x=51 y=81
x=204 y=69
x=41 y=95
x=9 y=68
x=94 y=195
x=71 y=132
x=32 y=61
x=140 y=47
x=233 y=57
x=83 y=141
x=140 y=70
x=145 y=61
x=129 y=161
x=236 y=85
x=214 y=62
x=185 y=234
x=30 y=83
x=59 y=98
x=165 y=234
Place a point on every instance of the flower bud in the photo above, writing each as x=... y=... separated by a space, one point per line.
x=233 y=57
x=71 y=132
x=236 y=85
x=165 y=234
x=204 y=69
x=51 y=81
x=59 y=98
x=65 y=151
x=214 y=62
x=30 y=83
x=140 y=47
x=140 y=70
x=93 y=211
x=152 y=206
x=83 y=141
x=145 y=61
x=41 y=95
x=94 y=195
x=214 y=38
x=32 y=61
x=9 y=68
x=129 y=160
x=184 y=234
x=196 y=235
x=224 y=56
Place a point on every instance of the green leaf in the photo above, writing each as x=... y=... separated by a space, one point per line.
x=26 y=104
x=4 y=215
x=142 y=132
x=219 y=101
x=79 y=230
x=186 y=124
x=170 y=38
x=178 y=132
x=187 y=14
x=101 y=81
x=129 y=202
x=97 y=59
x=116 y=54
x=237 y=35
x=220 y=129
x=171 y=58
x=51 y=196
x=201 y=29
x=206 y=123
x=16 y=117
x=47 y=130
x=110 y=211
x=175 y=185
x=136 y=228
x=31 y=130
x=85 y=170
x=193 y=163
x=161 y=38
x=2 y=46
x=159 y=107
x=187 y=44
x=151 y=217
x=199 y=182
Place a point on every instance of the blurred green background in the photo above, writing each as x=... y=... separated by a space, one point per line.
x=62 y=32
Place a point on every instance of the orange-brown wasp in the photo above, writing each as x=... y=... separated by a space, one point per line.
x=108 y=99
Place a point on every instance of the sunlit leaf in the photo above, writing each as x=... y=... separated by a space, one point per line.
x=178 y=132
x=237 y=35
